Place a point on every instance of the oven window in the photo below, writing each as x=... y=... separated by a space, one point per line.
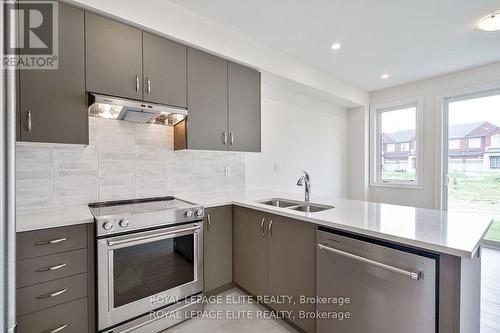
x=147 y=269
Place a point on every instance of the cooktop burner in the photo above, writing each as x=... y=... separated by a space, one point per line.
x=125 y=215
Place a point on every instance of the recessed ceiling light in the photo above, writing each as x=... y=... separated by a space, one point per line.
x=490 y=22
x=384 y=76
x=336 y=46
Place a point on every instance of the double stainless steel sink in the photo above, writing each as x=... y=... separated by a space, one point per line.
x=300 y=206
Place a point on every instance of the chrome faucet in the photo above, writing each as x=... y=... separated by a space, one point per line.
x=305 y=179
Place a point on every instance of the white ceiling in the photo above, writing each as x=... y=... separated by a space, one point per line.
x=408 y=39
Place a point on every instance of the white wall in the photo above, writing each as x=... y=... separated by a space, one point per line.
x=484 y=77
x=300 y=133
x=358 y=148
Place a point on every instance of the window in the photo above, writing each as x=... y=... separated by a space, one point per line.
x=495 y=162
x=454 y=144
x=495 y=141
x=396 y=125
x=475 y=143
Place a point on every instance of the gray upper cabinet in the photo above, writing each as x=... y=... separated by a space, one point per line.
x=217 y=244
x=250 y=250
x=244 y=108
x=165 y=71
x=207 y=101
x=114 y=57
x=52 y=104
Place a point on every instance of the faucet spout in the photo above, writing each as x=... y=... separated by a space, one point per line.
x=305 y=181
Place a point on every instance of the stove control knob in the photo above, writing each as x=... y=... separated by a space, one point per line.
x=123 y=223
x=107 y=225
x=198 y=212
x=188 y=214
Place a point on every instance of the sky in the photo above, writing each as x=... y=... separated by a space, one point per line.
x=467 y=111
x=393 y=121
x=475 y=110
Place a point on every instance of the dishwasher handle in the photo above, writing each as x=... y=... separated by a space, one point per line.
x=412 y=275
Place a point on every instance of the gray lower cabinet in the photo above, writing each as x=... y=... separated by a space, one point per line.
x=275 y=256
x=250 y=250
x=244 y=108
x=207 y=102
x=165 y=71
x=291 y=262
x=52 y=103
x=217 y=248
x=55 y=285
x=114 y=57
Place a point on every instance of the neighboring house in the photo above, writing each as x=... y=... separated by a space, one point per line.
x=472 y=147
x=399 y=150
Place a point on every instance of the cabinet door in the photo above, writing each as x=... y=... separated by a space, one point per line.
x=249 y=251
x=244 y=108
x=165 y=71
x=292 y=266
x=218 y=249
x=207 y=101
x=56 y=98
x=114 y=57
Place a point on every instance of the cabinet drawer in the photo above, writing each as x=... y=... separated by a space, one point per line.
x=73 y=316
x=45 y=295
x=48 y=268
x=39 y=243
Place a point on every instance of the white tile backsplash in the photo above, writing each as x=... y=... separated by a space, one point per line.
x=123 y=160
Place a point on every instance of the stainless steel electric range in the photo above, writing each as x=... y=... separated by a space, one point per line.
x=149 y=263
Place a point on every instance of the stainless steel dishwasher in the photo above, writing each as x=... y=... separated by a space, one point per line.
x=380 y=288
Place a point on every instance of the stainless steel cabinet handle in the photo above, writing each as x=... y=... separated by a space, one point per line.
x=262 y=227
x=29 y=121
x=209 y=222
x=137 y=83
x=412 y=275
x=270 y=229
x=54 y=294
x=148 y=85
x=52 y=241
x=55 y=330
x=153 y=236
x=224 y=138
x=231 y=138
x=51 y=268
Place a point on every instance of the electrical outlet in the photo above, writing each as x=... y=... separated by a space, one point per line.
x=227 y=171
x=277 y=166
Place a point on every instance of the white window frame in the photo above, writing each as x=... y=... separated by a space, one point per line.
x=405 y=146
x=376 y=143
x=469 y=140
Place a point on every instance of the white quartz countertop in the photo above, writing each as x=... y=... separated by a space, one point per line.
x=35 y=219
x=455 y=234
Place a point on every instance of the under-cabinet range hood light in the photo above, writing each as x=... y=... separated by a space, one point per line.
x=137 y=111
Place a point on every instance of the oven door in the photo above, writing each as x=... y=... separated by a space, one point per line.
x=143 y=271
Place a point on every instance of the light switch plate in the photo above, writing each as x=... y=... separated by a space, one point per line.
x=227 y=171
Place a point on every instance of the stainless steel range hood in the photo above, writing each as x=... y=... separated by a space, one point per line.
x=110 y=107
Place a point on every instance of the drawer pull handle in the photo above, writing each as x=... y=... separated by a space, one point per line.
x=54 y=294
x=55 y=330
x=52 y=241
x=51 y=268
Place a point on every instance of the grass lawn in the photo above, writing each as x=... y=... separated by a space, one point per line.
x=477 y=191
x=393 y=175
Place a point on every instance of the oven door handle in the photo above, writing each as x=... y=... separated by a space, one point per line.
x=156 y=235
